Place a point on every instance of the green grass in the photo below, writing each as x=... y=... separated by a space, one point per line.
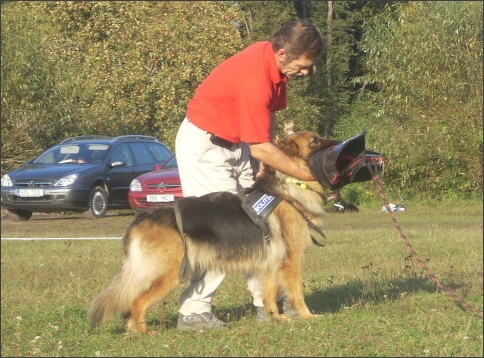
x=373 y=299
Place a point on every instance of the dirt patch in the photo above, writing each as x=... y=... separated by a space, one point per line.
x=67 y=225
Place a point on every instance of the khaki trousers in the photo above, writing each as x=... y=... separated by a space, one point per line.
x=205 y=168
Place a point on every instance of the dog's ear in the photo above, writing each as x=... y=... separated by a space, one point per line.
x=302 y=144
x=289 y=146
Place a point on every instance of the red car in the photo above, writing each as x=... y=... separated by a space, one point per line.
x=159 y=187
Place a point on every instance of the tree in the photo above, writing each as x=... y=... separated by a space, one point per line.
x=425 y=61
x=312 y=104
x=148 y=58
x=130 y=67
x=111 y=68
x=33 y=105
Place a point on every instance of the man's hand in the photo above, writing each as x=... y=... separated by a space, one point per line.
x=260 y=170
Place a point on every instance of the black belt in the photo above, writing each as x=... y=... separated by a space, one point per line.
x=220 y=141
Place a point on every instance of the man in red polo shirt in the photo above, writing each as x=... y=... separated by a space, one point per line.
x=231 y=118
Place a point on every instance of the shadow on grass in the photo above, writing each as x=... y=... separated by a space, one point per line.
x=355 y=293
x=333 y=299
x=378 y=287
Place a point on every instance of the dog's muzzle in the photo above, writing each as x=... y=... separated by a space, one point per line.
x=345 y=163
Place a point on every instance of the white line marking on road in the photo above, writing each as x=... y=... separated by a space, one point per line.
x=60 y=238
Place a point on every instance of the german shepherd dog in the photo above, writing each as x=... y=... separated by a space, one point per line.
x=219 y=235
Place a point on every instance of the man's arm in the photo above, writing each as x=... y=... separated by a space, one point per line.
x=269 y=154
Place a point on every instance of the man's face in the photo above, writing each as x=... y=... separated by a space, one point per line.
x=297 y=67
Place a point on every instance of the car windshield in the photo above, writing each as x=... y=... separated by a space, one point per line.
x=73 y=153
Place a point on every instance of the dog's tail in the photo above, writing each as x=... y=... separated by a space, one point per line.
x=134 y=277
x=115 y=298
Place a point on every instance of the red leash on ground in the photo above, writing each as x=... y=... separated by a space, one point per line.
x=456 y=298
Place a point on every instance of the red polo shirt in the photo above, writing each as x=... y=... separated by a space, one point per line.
x=236 y=100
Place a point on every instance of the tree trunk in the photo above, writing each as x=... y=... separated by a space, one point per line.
x=329 y=38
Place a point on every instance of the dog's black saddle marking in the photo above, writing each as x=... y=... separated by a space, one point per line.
x=222 y=220
x=179 y=224
x=218 y=220
x=258 y=206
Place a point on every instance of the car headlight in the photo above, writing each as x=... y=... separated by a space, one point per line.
x=6 y=181
x=135 y=185
x=68 y=180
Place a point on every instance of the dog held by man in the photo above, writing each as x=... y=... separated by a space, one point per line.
x=214 y=233
x=264 y=230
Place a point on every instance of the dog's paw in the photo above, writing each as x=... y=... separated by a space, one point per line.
x=310 y=316
x=136 y=327
x=281 y=318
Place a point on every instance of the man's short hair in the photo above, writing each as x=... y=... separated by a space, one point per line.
x=297 y=38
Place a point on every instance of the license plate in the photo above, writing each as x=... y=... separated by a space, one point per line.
x=30 y=193
x=164 y=198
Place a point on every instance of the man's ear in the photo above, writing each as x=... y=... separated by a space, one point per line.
x=281 y=55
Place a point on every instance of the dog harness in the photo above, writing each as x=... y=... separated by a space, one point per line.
x=258 y=206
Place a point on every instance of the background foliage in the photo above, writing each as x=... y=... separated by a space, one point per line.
x=408 y=72
x=422 y=105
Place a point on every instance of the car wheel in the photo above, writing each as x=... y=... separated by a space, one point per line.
x=20 y=215
x=98 y=203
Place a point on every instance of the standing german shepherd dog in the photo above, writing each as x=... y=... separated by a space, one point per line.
x=219 y=235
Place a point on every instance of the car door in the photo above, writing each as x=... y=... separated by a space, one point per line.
x=139 y=158
x=121 y=171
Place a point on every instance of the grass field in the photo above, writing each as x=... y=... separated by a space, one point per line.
x=372 y=297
